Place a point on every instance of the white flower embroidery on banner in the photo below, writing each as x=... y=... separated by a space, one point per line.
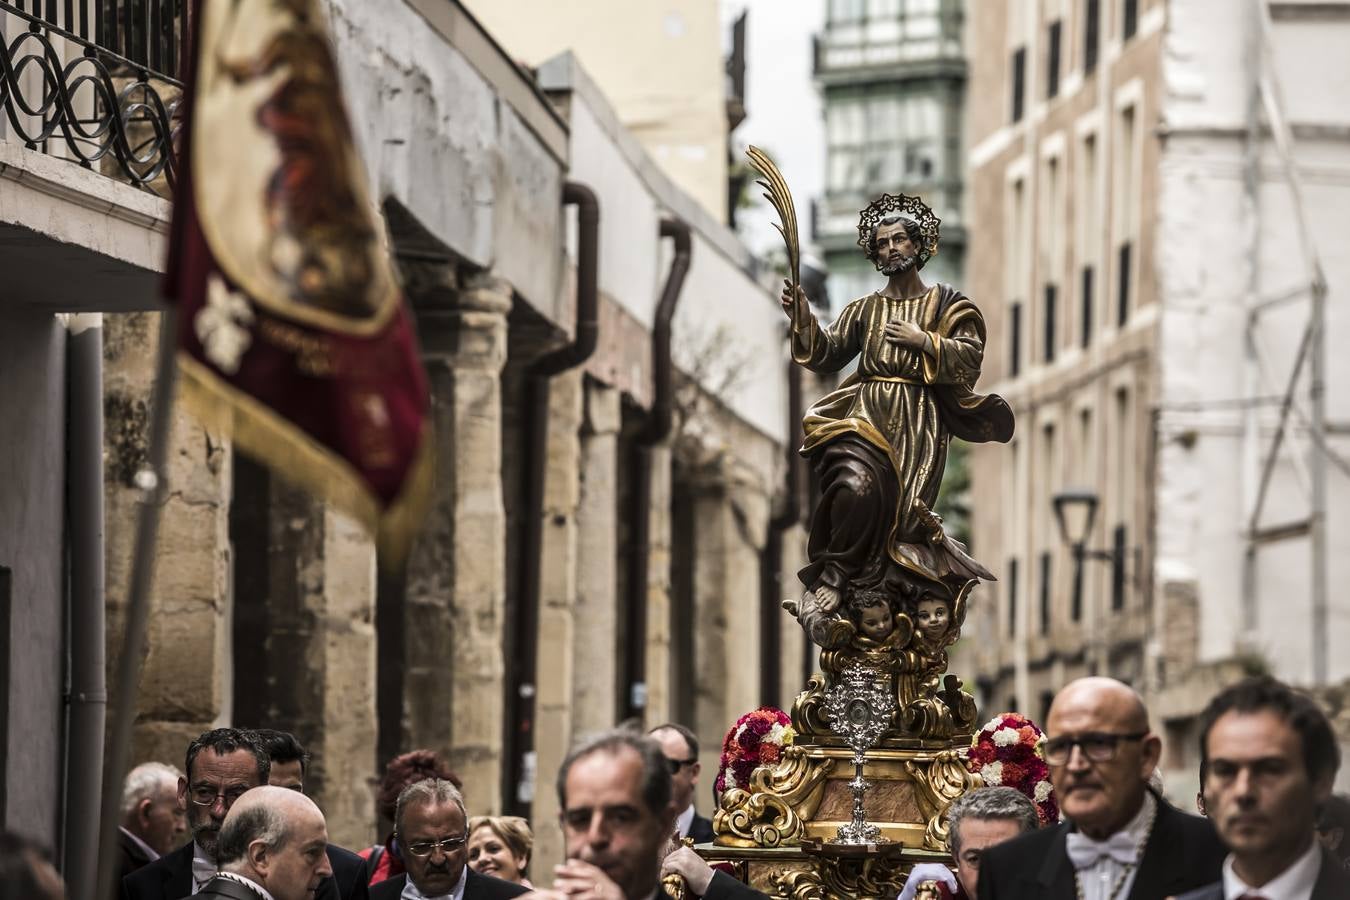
x=221 y=326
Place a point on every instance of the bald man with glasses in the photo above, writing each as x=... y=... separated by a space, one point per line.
x=1120 y=840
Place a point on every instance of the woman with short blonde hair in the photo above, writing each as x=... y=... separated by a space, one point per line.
x=500 y=846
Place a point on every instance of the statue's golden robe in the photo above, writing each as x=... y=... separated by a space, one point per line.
x=907 y=404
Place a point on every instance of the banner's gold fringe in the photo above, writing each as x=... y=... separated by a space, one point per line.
x=261 y=432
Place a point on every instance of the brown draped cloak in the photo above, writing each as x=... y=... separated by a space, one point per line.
x=881 y=438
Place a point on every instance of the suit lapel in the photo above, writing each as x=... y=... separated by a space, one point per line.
x=1333 y=881
x=1163 y=862
x=1056 y=873
x=178 y=874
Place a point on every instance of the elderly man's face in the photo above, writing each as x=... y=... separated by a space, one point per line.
x=1101 y=784
x=213 y=784
x=435 y=846
x=976 y=836
x=607 y=823
x=1257 y=789
x=160 y=821
x=294 y=871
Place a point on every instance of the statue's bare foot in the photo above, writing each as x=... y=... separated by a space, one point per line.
x=827 y=598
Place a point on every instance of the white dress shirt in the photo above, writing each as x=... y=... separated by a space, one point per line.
x=1294 y=883
x=204 y=868
x=685 y=821
x=249 y=883
x=410 y=891
x=1098 y=879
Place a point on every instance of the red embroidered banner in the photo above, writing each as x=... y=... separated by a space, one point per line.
x=292 y=332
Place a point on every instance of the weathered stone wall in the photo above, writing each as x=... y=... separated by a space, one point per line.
x=186 y=685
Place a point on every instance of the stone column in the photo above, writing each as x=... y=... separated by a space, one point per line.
x=730 y=520
x=595 y=675
x=304 y=640
x=659 y=693
x=792 y=640
x=555 y=664
x=185 y=686
x=456 y=576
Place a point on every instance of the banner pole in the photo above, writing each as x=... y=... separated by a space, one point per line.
x=152 y=481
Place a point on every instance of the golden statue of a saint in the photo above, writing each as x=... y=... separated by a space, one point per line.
x=879 y=441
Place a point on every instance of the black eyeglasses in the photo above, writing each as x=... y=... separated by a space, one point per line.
x=1098 y=746
x=677 y=764
x=205 y=795
x=445 y=845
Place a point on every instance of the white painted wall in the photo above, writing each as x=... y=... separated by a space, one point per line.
x=436 y=135
x=720 y=293
x=32 y=503
x=1204 y=238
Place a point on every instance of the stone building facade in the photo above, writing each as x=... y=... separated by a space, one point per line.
x=1129 y=207
x=269 y=608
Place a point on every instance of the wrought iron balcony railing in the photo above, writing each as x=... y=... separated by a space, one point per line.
x=94 y=81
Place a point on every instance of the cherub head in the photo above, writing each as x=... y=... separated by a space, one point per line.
x=932 y=616
x=872 y=612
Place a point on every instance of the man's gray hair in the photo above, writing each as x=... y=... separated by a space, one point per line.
x=655 y=769
x=427 y=791
x=260 y=822
x=1004 y=803
x=144 y=782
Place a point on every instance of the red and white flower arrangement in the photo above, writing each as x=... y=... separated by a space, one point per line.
x=1009 y=751
x=757 y=739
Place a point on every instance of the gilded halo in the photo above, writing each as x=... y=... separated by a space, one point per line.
x=912 y=206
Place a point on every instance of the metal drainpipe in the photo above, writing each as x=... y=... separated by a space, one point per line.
x=655 y=428
x=771 y=560
x=522 y=636
x=87 y=699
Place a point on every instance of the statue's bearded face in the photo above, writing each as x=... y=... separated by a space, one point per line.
x=895 y=252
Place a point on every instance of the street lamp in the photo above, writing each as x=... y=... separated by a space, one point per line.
x=1075 y=511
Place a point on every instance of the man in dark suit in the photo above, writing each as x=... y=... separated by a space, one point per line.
x=290 y=764
x=221 y=765
x=1270 y=758
x=152 y=822
x=680 y=747
x=1120 y=839
x=272 y=844
x=617 y=816
x=431 y=827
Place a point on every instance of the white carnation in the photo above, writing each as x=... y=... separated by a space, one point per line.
x=1006 y=737
x=1043 y=789
x=992 y=773
x=775 y=734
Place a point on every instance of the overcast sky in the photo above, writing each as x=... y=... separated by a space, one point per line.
x=783 y=106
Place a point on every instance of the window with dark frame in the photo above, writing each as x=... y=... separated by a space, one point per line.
x=1123 y=284
x=1130 y=19
x=1019 y=78
x=1088 y=303
x=1092 y=26
x=1051 y=311
x=1118 y=567
x=1052 y=59
x=1045 y=592
x=1015 y=333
